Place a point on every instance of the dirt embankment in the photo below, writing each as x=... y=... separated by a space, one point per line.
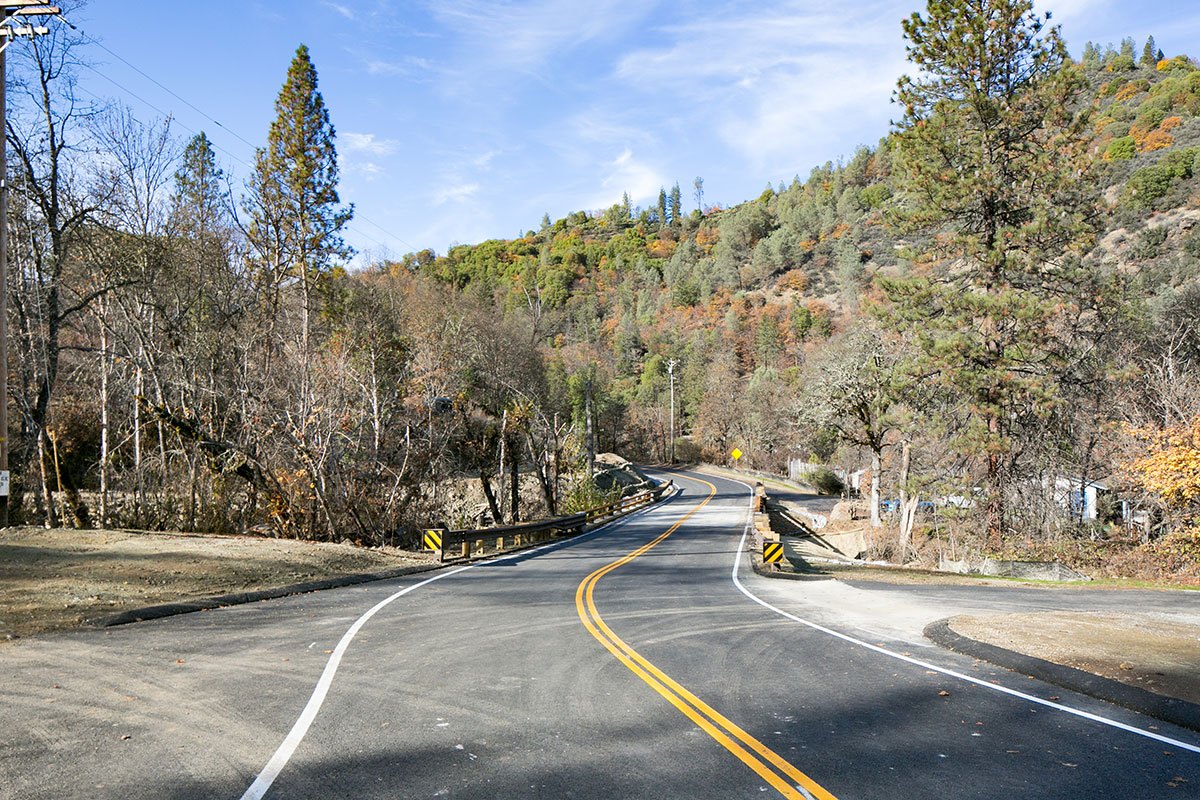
x=58 y=579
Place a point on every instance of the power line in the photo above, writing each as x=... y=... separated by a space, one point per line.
x=229 y=153
x=166 y=89
x=213 y=120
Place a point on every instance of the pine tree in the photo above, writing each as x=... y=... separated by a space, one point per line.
x=199 y=186
x=1091 y=56
x=1150 y=55
x=990 y=159
x=676 y=204
x=296 y=216
x=662 y=207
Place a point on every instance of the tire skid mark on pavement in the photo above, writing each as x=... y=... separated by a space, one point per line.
x=773 y=768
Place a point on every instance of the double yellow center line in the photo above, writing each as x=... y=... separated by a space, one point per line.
x=770 y=766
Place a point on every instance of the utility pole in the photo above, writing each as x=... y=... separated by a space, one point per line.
x=13 y=11
x=671 y=373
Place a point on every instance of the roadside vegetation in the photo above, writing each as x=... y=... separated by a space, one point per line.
x=992 y=317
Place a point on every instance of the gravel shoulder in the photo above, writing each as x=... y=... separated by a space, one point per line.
x=60 y=579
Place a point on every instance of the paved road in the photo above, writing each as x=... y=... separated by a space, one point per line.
x=574 y=672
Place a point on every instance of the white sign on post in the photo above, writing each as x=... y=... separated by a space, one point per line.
x=3 y=483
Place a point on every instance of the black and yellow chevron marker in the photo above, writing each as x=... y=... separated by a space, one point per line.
x=433 y=539
x=772 y=552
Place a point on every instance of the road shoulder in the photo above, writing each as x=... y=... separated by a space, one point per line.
x=1169 y=709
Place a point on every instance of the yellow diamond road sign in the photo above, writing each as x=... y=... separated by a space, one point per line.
x=736 y=454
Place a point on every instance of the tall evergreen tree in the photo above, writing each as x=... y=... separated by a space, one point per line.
x=296 y=214
x=676 y=204
x=199 y=186
x=1149 y=53
x=1091 y=55
x=662 y=207
x=990 y=159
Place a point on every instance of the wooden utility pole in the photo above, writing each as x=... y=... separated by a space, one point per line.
x=14 y=11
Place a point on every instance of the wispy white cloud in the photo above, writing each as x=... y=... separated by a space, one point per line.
x=408 y=66
x=606 y=127
x=455 y=193
x=525 y=34
x=463 y=175
x=484 y=160
x=367 y=143
x=338 y=8
x=779 y=80
x=626 y=174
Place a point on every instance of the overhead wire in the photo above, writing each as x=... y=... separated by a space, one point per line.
x=171 y=116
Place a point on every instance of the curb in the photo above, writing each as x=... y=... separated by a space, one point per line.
x=241 y=598
x=756 y=563
x=162 y=610
x=1169 y=709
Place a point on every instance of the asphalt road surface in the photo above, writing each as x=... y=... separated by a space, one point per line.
x=643 y=660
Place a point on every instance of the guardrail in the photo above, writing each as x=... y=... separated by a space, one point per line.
x=472 y=542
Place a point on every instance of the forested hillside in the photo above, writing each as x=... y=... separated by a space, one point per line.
x=194 y=354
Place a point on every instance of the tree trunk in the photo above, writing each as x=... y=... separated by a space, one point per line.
x=876 y=466
x=591 y=437
x=485 y=481
x=500 y=469
x=140 y=491
x=51 y=513
x=515 y=488
x=104 y=424
x=904 y=545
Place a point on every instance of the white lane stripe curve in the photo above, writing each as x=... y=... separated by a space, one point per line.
x=934 y=667
x=279 y=760
x=262 y=783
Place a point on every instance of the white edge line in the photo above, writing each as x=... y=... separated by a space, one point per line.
x=262 y=783
x=934 y=667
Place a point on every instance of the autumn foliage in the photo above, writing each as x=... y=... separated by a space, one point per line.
x=1169 y=469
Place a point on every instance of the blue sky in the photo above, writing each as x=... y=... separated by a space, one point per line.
x=463 y=120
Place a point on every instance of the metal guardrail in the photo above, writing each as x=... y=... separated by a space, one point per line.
x=470 y=542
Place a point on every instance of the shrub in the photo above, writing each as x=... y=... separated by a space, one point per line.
x=1157 y=140
x=875 y=195
x=1149 y=243
x=1180 y=63
x=1121 y=149
x=1122 y=63
x=1150 y=184
x=824 y=480
x=585 y=495
x=1147 y=186
x=1129 y=90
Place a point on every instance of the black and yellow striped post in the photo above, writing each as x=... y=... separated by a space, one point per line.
x=433 y=540
x=772 y=552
